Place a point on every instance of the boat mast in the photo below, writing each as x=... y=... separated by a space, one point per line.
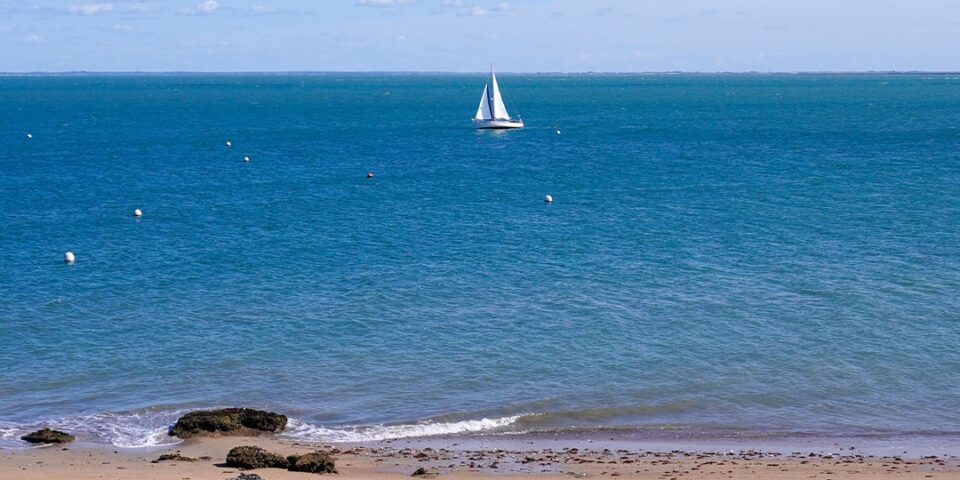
x=491 y=93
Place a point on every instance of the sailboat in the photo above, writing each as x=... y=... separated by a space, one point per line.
x=492 y=113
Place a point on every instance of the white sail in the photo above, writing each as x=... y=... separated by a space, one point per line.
x=492 y=113
x=483 y=111
x=499 y=109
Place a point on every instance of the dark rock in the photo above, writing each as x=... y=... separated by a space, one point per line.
x=173 y=457
x=255 y=457
x=247 y=476
x=48 y=436
x=316 y=462
x=423 y=472
x=228 y=421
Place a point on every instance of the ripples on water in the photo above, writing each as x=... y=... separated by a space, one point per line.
x=744 y=252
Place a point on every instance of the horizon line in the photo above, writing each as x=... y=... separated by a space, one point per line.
x=443 y=72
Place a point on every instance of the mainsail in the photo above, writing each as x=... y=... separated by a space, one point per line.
x=499 y=109
x=491 y=102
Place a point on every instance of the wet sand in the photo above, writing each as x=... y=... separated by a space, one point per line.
x=399 y=459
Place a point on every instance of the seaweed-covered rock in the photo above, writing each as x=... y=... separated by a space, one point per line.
x=247 y=476
x=46 y=435
x=255 y=457
x=173 y=457
x=228 y=421
x=316 y=462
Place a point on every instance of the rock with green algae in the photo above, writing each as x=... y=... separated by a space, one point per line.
x=247 y=476
x=315 y=462
x=248 y=457
x=173 y=457
x=46 y=435
x=228 y=421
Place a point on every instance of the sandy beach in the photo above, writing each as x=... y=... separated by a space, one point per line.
x=400 y=459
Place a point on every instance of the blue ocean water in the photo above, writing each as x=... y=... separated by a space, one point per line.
x=774 y=254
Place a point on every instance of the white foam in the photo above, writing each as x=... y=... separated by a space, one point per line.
x=146 y=428
x=305 y=431
x=132 y=430
x=149 y=428
x=9 y=434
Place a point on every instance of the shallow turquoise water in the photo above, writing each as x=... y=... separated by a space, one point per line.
x=724 y=253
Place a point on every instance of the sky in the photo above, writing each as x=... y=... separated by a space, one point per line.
x=469 y=35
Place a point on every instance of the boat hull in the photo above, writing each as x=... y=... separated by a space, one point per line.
x=498 y=124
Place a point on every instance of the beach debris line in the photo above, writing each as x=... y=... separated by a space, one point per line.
x=250 y=457
x=46 y=435
x=69 y=257
x=228 y=421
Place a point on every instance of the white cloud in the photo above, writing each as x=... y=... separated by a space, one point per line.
x=263 y=9
x=31 y=39
x=380 y=3
x=91 y=8
x=478 y=11
x=208 y=6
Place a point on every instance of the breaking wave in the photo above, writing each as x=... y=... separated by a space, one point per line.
x=149 y=428
x=309 y=432
x=145 y=428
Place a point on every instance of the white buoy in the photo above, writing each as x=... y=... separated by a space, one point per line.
x=548 y=199
x=137 y=213
x=246 y=159
x=369 y=174
x=228 y=143
x=558 y=132
x=29 y=135
x=69 y=257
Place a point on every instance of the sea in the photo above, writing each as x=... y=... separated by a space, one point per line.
x=725 y=255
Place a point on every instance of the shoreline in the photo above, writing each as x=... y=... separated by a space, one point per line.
x=473 y=457
x=651 y=437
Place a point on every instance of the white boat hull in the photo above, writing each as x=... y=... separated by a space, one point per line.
x=498 y=123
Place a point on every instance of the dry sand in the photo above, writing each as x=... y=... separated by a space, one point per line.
x=394 y=460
